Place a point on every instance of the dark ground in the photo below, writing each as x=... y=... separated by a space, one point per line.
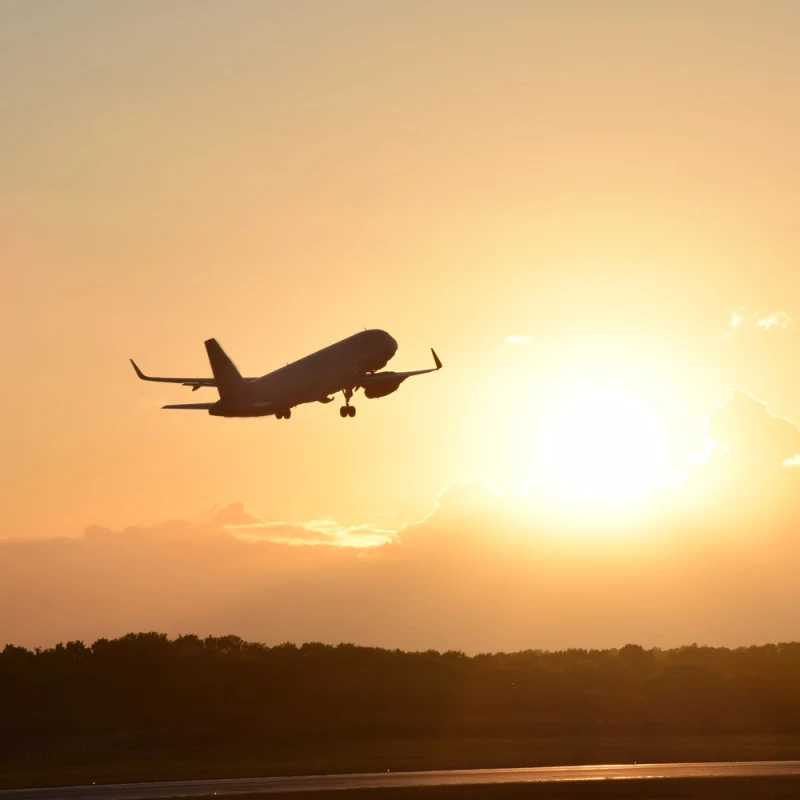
x=655 y=789
x=116 y=765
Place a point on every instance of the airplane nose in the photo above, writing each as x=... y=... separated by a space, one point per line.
x=391 y=342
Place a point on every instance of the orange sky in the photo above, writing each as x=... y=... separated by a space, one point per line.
x=614 y=184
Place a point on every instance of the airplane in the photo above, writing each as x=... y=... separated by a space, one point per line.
x=346 y=366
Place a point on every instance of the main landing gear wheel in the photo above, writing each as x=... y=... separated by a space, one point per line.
x=347 y=410
x=283 y=414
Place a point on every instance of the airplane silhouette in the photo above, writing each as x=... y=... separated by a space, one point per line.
x=346 y=366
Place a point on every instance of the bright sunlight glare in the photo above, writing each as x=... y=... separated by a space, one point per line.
x=604 y=446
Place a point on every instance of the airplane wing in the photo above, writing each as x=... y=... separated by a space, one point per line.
x=195 y=383
x=387 y=379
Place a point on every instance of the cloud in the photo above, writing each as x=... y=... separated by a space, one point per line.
x=748 y=478
x=742 y=320
x=748 y=431
x=233 y=514
x=512 y=341
x=316 y=532
x=234 y=519
x=779 y=319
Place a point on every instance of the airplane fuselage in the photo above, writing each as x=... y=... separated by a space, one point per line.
x=314 y=378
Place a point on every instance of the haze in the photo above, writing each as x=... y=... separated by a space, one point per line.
x=589 y=209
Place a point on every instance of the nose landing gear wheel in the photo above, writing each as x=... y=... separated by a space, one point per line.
x=351 y=410
x=283 y=414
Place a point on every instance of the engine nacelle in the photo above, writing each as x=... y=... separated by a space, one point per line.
x=381 y=389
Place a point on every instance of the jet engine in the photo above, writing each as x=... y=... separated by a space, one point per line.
x=382 y=389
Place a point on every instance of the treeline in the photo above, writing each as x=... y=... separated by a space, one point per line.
x=149 y=690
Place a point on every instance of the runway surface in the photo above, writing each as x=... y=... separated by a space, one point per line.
x=376 y=780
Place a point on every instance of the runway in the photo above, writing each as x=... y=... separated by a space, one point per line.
x=377 y=780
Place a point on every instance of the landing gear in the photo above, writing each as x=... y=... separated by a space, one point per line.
x=347 y=410
x=283 y=414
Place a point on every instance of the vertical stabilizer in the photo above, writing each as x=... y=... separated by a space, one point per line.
x=228 y=379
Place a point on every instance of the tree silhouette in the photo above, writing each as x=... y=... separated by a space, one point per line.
x=145 y=689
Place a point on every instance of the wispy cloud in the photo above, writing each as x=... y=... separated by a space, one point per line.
x=780 y=319
x=316 y=532
x=243 y=525
x=742 y=320
x=512 y=341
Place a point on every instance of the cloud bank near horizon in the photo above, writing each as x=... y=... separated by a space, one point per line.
x=486 y=570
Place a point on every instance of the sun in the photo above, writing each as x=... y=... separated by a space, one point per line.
x=604 y=445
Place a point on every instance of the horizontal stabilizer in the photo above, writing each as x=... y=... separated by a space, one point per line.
x=195 y=383
x=192 y=406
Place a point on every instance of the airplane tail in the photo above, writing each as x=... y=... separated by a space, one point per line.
x=228 y=379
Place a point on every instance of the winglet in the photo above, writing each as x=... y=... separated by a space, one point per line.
x=435 y=359
x=138 y=371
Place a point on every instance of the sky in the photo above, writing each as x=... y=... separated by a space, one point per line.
x=587 y=208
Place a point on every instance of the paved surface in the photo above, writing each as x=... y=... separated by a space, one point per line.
x=376 y=780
